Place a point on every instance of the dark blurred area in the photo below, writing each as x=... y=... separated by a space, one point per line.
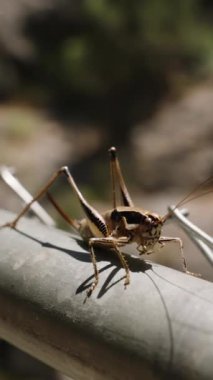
x=77 y=76
x=103 y=62
x=109 y=65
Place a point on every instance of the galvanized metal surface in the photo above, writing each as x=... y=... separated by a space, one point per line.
x=202 y=240
x=160 y=326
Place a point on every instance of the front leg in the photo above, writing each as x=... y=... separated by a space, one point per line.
x=144 y=249
x=110 y=243
x=164 y=240
x=141 y=249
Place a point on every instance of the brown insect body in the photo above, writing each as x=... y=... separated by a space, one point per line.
x=140 y=227
x=123 y=224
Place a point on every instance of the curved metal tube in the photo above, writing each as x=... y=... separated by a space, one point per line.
x=160 y=327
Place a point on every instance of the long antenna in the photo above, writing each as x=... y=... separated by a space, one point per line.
x=191 y=196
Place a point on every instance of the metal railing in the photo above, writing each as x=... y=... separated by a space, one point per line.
x=199 y=237
x=160 y=326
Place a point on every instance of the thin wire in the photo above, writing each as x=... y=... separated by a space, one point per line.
x=203 y=241
x=8 y=177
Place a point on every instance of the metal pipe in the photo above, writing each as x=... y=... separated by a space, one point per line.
x=160 y=327
x=203 y=241
x=9 y=178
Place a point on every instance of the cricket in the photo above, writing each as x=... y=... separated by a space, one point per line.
x=123 y=224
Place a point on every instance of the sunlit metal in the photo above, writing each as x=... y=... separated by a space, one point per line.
x=9 y=178
x=198 y=236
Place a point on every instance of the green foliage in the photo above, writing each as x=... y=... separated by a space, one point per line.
x=76 y=66
x=124 y=37
x=95 y=54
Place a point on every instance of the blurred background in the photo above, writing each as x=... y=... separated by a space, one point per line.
x=78 y=76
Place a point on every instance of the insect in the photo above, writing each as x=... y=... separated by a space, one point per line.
x=115 y=228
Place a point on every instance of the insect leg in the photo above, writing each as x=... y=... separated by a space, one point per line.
x=72 y=222
x=36 y=198
x=108 y=242
x=94 y=263
x=116 y=174
x=97 y=224
x=163 y=240
x=123 y=263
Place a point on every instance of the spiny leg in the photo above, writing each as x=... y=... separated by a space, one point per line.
x=123 y=263
x=108 y=242
x=97 y=224
x=112 y=173
x=72 y=222
x=96 y=220
x=36 y=198
x=94 y=263
x=10 y=179
x=163 y=240
x=116 y=174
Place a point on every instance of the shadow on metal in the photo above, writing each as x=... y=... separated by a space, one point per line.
x=159 y=327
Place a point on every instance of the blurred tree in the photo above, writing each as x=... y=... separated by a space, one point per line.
x=113 y=61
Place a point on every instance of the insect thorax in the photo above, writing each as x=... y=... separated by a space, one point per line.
x=141 y=227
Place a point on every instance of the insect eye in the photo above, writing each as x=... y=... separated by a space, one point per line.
x=153 y=218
